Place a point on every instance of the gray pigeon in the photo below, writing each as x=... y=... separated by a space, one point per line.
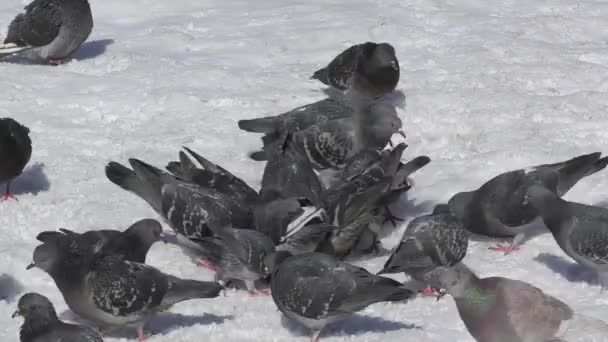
x=49 y=30
x=15 y=152
x=132 y=245
x=316 y=289
x=498 y=208
x=109 y=291
x=42 y=325
x=499 y=309
x=377 y=62
x=429 y=241
x=237 y=254
x=187 y=207
x=580 y=230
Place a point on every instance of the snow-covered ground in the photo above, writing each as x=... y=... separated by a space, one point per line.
x=490 y=86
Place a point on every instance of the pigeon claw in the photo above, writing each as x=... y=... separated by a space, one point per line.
x=7 y=196
x=389 y=217
x=507 y=249
x=206 y=264
x=55 y=62
x=428 y=291
x=264 y=292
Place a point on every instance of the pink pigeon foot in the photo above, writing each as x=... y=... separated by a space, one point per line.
x=428 y=291
x=206 y=264
x=7 y=196
x=140 y=334
x=388 y=216
x=264 y=292
x=504 y=248
x=55 y=62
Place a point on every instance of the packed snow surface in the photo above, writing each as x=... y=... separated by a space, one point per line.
x=490 y=86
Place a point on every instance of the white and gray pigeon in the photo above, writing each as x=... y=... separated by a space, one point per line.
x=49 y=30
x=580 y=230
x=15 y=152
x=316 y=289
x=132 y=244
x=498 y=208
x=429 y=241
x=381 y=69
x=187 y=207
x=499 y=309
x=41 y=323
x=109 y=291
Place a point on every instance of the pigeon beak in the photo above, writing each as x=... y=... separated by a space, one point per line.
x=441 y=294
x=402 y=133
x=30 y=266
x=163 y=237
x=16 y=313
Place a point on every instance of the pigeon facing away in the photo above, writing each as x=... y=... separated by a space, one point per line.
x=49 y=30
x=109 y=291
x=429 y=241
x=15 y=152
x=580 y=230
x=132 y=245
x=42 y=325
x=499 y=309
x=316 y=289
x=381 y=67
x=499 y=209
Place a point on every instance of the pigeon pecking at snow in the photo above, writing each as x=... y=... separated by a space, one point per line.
x=15 y=152
x=580 y=230
x=499 y=209
x=316 y=289
x=381 y=69
x=132 y=245
x=49 y=30
x=429 y=241
x=109 y=291
x=499 y=309
x=42 y=325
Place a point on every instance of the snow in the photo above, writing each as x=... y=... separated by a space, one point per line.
x=490 y=86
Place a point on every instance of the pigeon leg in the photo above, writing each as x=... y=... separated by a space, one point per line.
x=315 y=336
x=55 y=62
x=140 y=334
x=428 y=291
x=8 y=194
x=388 y=216
x=206 y=264
x=514 y=246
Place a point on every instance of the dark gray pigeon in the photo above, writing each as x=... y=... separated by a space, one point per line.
x=42 y=325
x=498 y=208
x=376 y=62
x=580 y=230
x=132 y=245
x=429 y=241
x=109 y=291
x=237 y=254
x=15 y=152
x=316 y=289
x=49 y=30
x=499 y=309
x=187 y=207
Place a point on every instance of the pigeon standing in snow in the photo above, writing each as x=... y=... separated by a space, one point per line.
x=580 y=230
x=499 y=209
x=109 y=291
x=499 y=309
x=132 y=245
x=42 y=325
x=429 y=241
x=49 y=30
x=15 y=152
x=316 y=289
x=381 y=69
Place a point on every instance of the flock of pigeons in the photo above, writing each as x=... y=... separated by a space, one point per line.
x=331 y=175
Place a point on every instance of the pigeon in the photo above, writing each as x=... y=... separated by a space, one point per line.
x=133 y=244
x=307 y=239
x=212 y=176
x=499 y=309
x=49 y=30
x=237 y=254
x=316 y=289
x=498 y=208
x=187 y=207
x=109 y=291
x=42 y=325
x=15 y=152
x=580 y=230
x=429 y=241
x=377 y=62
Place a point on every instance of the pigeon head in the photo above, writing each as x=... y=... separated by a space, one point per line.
x=33 y=306
x=379 y=124
x=459 y=204
x=543 y=199
x=46 y=257
x=378 y=67
x=148 y=231
x=272 y=261
x=455 y=280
